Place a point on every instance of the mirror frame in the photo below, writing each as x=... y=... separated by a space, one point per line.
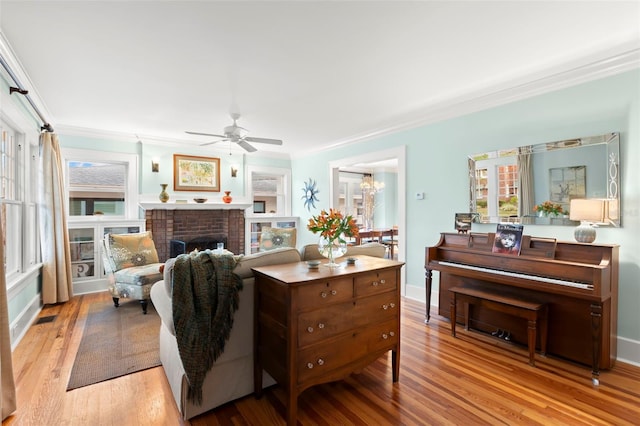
x=612 y=143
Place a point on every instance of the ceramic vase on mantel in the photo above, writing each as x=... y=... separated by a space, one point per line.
x=226 y=198
x=331 y=249
x=164 y=195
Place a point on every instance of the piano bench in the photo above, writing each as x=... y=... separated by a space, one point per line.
x=533 y=312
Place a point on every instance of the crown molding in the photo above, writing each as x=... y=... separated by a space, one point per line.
x=626 y=57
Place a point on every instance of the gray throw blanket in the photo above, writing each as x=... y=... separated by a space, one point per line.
x=205 y=297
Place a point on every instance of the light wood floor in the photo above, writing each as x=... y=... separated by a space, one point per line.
x=469 y=380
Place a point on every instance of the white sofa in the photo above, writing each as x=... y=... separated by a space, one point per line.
x=232 y=374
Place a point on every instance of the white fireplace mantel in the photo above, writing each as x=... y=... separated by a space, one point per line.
x=155 y=205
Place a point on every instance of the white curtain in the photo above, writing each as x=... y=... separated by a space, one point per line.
x=57 y=284
x=7 y=385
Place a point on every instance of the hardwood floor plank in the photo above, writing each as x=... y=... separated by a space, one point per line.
x=473 y=379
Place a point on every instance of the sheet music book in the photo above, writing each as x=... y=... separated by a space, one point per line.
x=508 y=239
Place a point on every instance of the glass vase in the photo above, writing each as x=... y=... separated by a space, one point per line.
x=332 y=249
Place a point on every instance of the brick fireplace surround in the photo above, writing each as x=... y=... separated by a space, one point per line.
x=185 y=225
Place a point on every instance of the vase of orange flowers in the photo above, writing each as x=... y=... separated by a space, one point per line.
x=333 y=227
x=548 y=208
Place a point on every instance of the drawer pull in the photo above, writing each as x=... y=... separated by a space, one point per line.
x=385 y=336
x=310 y=329
x=309 y=365
x=391 y=333
x=392 y=305
x=385 y=306
x=382 y=281
x=320 y=325
x=323 y=294
x=375 y=283
x=334 y=292
x=320 y=361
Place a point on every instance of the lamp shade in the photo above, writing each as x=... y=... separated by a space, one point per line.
x=588 y=212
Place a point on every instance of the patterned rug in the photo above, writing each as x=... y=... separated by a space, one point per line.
x=116 y=342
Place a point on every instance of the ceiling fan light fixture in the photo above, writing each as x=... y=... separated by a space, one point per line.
x=238 y=135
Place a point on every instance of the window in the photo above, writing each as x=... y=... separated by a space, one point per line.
x=270 y=187
x=17 y=203
x=100 y=182
x=96 y=187
x=496 y=190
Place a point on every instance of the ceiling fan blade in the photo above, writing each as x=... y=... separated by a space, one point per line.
x=205 y=134
x=246 y=146
x=264 y=140
x=212 y=142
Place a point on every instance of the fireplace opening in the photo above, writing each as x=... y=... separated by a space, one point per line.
x=177 y=247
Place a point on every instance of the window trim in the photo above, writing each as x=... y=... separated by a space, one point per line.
x=131 y=188
x=286 y=189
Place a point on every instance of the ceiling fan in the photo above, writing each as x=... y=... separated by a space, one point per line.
x=237 y=134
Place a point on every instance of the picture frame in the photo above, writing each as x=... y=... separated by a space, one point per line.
x=566 y=183
x=193 y=173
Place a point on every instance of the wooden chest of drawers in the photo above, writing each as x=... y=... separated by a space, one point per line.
x=319 y=325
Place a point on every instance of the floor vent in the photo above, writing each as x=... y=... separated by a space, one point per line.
x=44 y=320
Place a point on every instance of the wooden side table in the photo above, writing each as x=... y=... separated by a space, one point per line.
x=314 y=326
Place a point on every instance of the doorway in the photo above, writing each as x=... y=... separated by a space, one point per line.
x=390 y=159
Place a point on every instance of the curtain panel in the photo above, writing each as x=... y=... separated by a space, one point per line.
x=57 y=285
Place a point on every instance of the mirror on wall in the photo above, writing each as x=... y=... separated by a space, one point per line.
x=513 y=185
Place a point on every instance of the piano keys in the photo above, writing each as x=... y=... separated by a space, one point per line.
x=578 y=281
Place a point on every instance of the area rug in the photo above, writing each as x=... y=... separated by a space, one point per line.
x=116 y=342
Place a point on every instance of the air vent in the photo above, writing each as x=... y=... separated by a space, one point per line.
x=44 y=320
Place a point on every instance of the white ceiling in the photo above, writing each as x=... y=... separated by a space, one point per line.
x=314 y=74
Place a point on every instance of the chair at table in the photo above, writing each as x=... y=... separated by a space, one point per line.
x=389 y=239
x=131 y=266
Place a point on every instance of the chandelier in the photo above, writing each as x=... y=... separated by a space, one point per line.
x=371 y=186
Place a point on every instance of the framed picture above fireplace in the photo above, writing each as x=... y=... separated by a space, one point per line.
x=191 y=173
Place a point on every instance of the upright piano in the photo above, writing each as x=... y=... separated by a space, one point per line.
x=578 y=282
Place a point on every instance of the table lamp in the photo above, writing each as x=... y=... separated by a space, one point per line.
x=589 y=212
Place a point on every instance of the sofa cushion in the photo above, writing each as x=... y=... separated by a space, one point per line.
x=368 y=249
x=270 y=257
x=273 y=238
x=128 y=250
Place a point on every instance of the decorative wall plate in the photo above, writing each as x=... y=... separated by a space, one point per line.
x=310 y=192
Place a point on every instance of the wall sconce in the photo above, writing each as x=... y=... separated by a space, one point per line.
x=589 y=212
x=234 y=171
x=155 y=166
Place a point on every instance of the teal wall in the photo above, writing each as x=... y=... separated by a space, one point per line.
x=436 y=163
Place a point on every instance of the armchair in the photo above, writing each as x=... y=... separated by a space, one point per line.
x=131 y=266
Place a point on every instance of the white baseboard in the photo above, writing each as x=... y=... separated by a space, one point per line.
x=90 y=286
x=628 y=349
x=18 y=328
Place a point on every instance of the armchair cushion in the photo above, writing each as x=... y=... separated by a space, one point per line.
x=129 y=250
x=139 y=275
x=273 y=238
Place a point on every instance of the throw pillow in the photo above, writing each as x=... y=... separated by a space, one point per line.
x=273 y=238
x=129 y=250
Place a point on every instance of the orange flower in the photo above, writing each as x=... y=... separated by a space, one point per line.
x=333 y=225
x=549 y=208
